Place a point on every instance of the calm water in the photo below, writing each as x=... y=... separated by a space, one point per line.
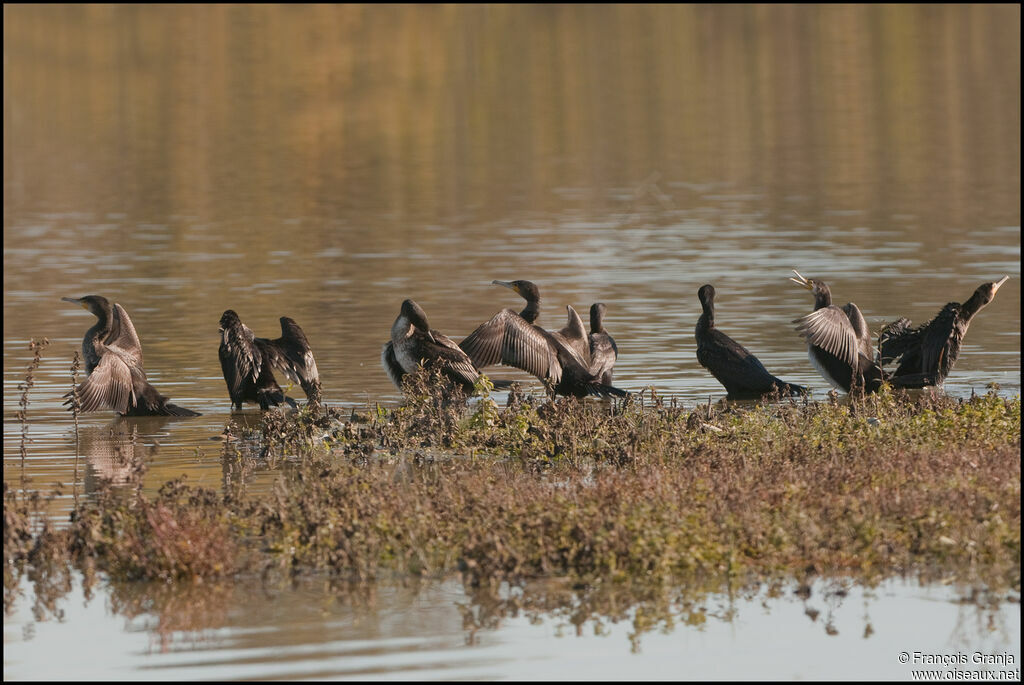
x=325 y=163
x=434 y=630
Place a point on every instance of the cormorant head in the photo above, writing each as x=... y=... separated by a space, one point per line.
x=96 y=304
x=597 y=311
x=525 y=289
x=706 y=294
x=229 y=320
x=822 y=295
x=415 y=315
x=986 y=291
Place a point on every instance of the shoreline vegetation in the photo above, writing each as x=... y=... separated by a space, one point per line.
x=639 y=493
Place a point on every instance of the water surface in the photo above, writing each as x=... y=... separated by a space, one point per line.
x=326 y=162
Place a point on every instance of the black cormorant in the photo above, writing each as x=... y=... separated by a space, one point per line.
x=838 y=340
x=927 y=353
x=113 y=361
x=603 y=350
x=742 y=374
x=413 y=343
x=560 y=358
x=247 y=363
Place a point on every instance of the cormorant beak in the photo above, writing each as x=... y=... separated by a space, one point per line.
x=506 y=284
x=431 y=336
x=81 y=304
x=995 y=286
x=801 y=281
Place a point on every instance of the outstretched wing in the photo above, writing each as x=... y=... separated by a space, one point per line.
x=860 y=329
x=109 y=386
x=830 y=329
x=574 y=336
x=508 y=339
x=291 y=354
x=124 y=338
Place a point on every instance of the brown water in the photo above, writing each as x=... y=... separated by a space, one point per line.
x=326 y=162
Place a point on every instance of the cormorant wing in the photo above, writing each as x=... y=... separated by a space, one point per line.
x=123 y=336
x=897 y=338
x=508 y=339
x=940 y=340
x=830 y=329
x=574 y=335
x=240 y=359
x=390 y=363
x=455 y=359
x=110 y=385
x=860 y=329
x=603 y=355
x=291 y=354
x=733 y=365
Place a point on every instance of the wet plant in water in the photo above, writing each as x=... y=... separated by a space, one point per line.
x=36 y=347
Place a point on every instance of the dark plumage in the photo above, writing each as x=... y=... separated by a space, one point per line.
x=248 y=361
x=838 y=340
x=561 y=358
x=113 y=361
x=603 y=350
x=742 y=374
x=926 y=354
x=413 y=343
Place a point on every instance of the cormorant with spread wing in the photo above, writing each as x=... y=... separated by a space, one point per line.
x=927 y=353
x=113 y=361
x=247 y=363
x=560 y=358
x=838 y=340
x=413 y=342
x=742 y=374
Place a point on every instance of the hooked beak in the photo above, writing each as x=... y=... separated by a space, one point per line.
x=995 y=286
x=506 y=284
x=74 y=300
x=801 y=281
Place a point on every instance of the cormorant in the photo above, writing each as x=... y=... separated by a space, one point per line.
x=113 y=361
x=247 y=363
x=603 y=350
x=561 y=358
x=413 y=342
x=838 y=340
x=742 y=374
x=927 y=353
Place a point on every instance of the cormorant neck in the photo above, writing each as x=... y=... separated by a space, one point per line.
x=402 y=328
x=531 y=311
x=822 y=298
x=707 y=319
x=972 y=306
x=105 y=315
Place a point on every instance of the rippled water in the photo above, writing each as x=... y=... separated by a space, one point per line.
x=326 y=162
